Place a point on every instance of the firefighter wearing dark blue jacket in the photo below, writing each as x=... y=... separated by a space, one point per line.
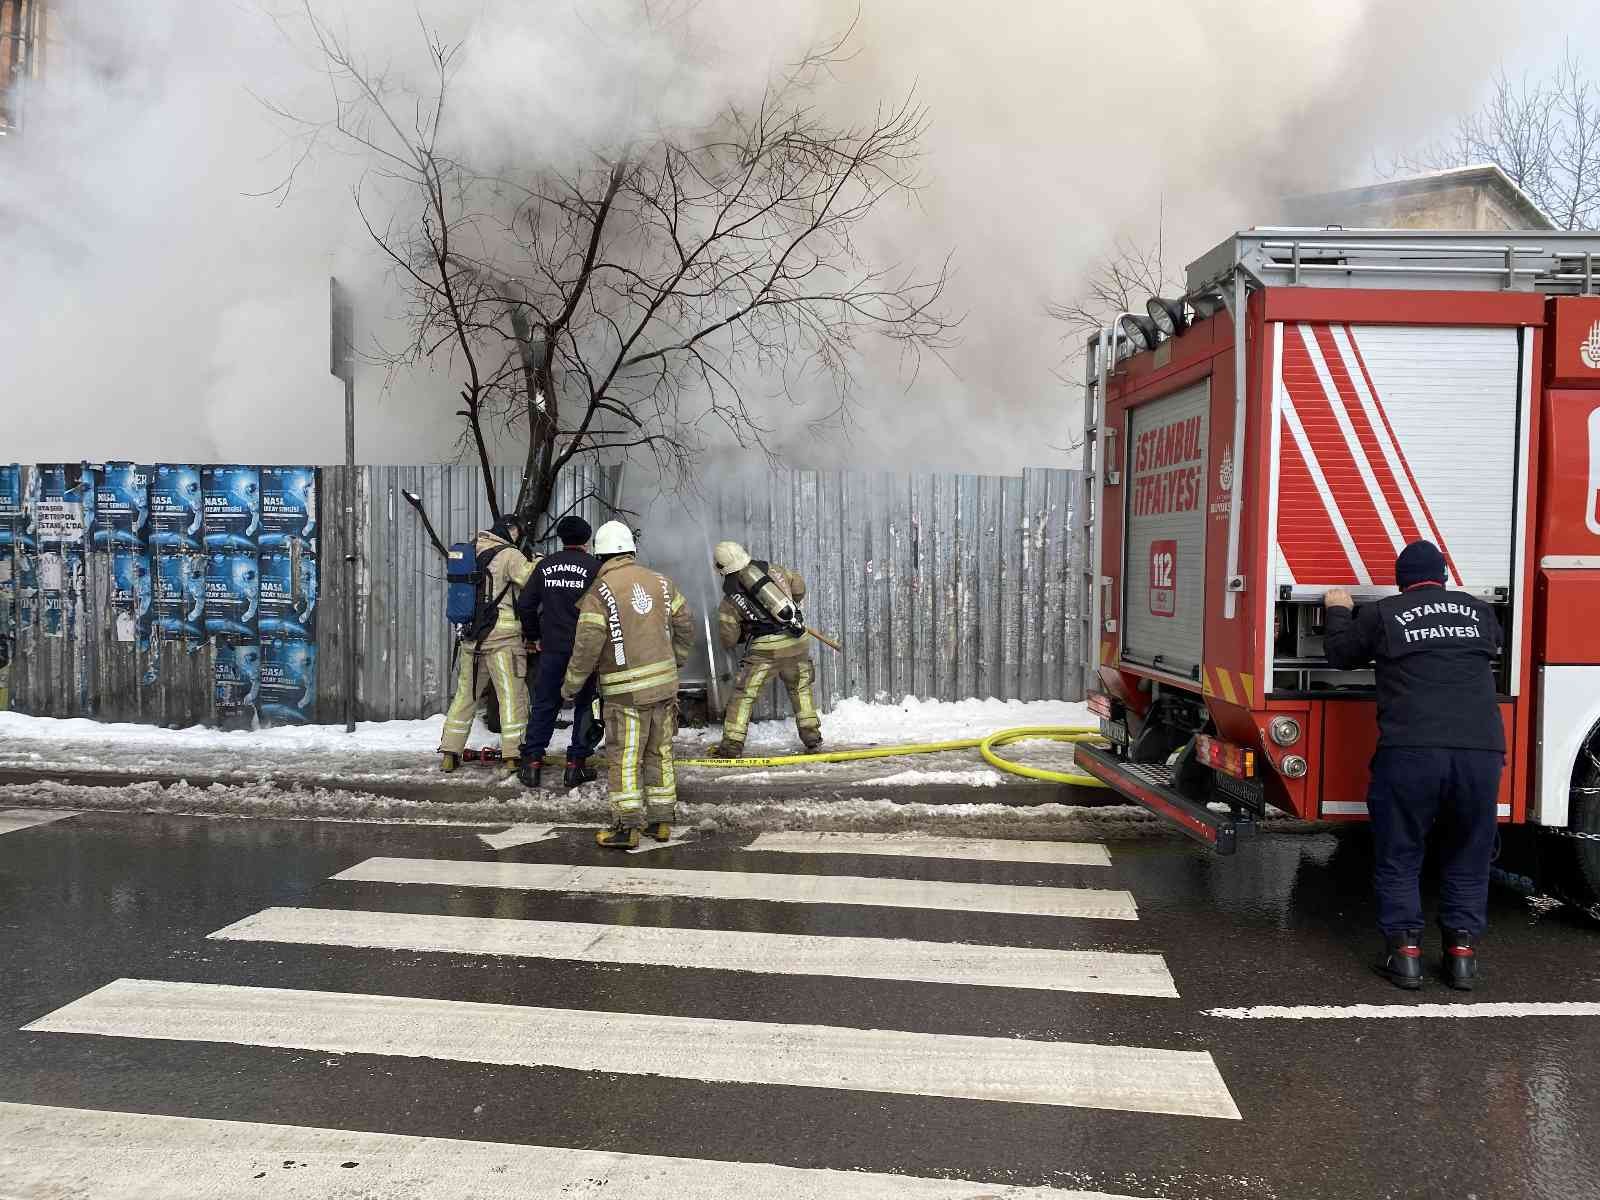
x=548 y=606
x=1441 y=748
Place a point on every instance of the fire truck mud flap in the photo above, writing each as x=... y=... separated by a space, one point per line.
x=1150 y=784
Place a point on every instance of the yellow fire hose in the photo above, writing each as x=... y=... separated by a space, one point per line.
x=984 y=745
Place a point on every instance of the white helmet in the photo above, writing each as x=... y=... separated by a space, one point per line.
x=614 y=538
x=730 y=558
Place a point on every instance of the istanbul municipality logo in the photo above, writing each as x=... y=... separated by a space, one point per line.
x=642 y=604
x=1589 y=349
x=1225 y=468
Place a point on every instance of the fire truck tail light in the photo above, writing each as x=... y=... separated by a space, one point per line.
x=1100 y=705
x=1225 y=757
x=1285 y=731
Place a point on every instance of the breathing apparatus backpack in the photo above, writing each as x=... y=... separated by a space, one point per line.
x=469 y=605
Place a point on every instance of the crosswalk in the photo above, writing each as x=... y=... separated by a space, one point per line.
x=400 y=908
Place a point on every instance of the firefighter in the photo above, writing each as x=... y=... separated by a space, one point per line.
x=548 y=608
x=635 y=628
x=1441 y=749
x=761 y=607
x=496 y=659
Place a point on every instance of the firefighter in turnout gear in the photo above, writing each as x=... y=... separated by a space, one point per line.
x=497 y=659
x=635 y=629
x=1441 y=748
x=761 y=607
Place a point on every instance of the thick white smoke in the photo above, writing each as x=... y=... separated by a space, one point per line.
x=152 y=308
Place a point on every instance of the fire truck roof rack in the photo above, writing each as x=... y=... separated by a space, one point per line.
x=1415 y=259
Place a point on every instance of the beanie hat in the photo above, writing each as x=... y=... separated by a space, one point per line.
x=573 y=531
x=1420 y=562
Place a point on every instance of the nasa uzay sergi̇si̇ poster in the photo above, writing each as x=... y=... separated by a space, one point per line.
x=232 y=591
x=289 y=507
x=237 y=676
x=177 y=512
x=179 y=584
x=232 y=499
x=132 y=595
x=288 y=681
x=288 y=595
x=122 y=506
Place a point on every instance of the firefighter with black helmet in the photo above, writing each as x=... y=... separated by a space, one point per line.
x=761 y=608
x=1441 y=750
x=635 y=629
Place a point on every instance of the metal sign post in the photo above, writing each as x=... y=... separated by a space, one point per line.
x=342 y=364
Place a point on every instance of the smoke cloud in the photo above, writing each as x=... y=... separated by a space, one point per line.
x=154 y=308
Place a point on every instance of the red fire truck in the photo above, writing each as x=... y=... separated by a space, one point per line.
x=1318 y=399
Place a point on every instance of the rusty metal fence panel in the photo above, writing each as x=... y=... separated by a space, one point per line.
x=938 y=586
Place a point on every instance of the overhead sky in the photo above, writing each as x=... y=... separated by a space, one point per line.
x=153 y=308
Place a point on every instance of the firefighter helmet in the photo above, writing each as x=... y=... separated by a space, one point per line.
x=613 y=538
x=730 y=558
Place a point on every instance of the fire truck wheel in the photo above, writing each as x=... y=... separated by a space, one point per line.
x=1576 y=877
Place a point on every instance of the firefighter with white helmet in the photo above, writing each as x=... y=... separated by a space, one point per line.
x=635 y=629
x=761 y=608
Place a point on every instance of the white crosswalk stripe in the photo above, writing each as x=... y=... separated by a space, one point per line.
x=1071 y=854
x=1125 y=1078
x=750 y=885
x=12 y=819
x=763 y=953
x=47 y=1151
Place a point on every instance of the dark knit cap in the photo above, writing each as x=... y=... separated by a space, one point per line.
x=502 y=527
x=1420 y=562
x=573 y=531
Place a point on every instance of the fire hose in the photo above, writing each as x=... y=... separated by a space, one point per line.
x=987 y=746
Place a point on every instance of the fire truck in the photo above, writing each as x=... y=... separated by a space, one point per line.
x=1315 y=401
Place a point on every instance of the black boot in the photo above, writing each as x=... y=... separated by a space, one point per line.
x=618 y=837
x=531 y=771
x=1460 y=960
x=1401 y=963
x=660 y=830
x=577 y=774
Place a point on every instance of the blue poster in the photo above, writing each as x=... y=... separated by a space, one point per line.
x=180 y=595
x=288 y=596
x=132 y=596
x=232 y=593
x=288 y=681
x=236 y=672
x=176 y=511
x=233 y=507
x=122 y=505
x=13 y=524
x=289 y=506
x=61 y=590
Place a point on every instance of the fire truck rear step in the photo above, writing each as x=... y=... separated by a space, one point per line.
x=1150 y=785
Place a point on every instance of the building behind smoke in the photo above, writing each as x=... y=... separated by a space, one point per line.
x=26 y=34
x=1478 y=197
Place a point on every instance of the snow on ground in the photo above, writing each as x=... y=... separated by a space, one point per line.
x=387 y=752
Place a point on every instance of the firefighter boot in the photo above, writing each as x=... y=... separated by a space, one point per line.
x=660 y=830
x=618 y=837
x=726 y=749
x=812 y=743
x=510 y=768
x=531 y=771
x=1401 y=963
x=449 y=760
x=1460 y=960
x=578 y=773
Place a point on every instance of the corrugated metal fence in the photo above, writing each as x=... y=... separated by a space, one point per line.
x=938 y=586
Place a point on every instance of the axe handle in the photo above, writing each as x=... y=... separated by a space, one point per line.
x=825 y=640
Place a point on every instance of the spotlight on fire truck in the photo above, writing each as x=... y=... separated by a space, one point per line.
x=1168 y=315
x=1141 y=331
x=1206 y=304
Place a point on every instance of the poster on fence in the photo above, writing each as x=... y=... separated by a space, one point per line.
x=177 y=513
x=289 y=507
x=131 y=595
x=288 y=595
x=61 y=590
x=13 y=523
x=288 y=681
x=179 y=583
x=122 y=506
x=232 y=496
x=237 y=675
x=232 y=592
x=56 y=509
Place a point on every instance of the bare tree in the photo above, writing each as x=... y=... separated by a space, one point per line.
x=1542 y=132
x=628 y=305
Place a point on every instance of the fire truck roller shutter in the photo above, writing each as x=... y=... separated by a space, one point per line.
x=1388 y=434
x=1164 y=573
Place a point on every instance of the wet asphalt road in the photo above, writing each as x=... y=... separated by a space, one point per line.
x=1488 y=1108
